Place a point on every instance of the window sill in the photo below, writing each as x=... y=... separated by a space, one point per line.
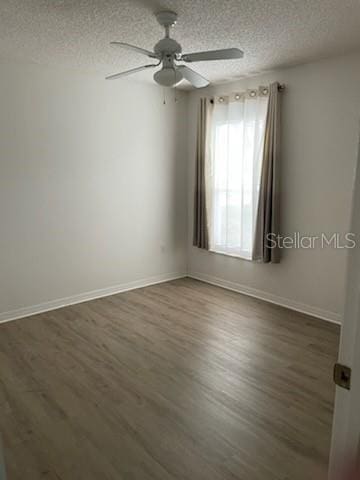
x=245 y=256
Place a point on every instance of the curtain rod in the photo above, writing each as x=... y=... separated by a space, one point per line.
x=281 y=88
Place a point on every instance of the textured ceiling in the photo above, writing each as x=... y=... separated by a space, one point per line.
x=272 y=33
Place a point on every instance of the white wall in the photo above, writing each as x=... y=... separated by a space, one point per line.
x=92 y=184
x=93 y=181
x=320 y=118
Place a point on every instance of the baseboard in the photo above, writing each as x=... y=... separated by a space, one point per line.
x=85 y=297
x=105 y=292
x=268 y=297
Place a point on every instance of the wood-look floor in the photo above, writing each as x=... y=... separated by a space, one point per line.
x=181 y=380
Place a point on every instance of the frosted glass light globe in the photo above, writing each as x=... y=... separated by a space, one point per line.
x=168 y=77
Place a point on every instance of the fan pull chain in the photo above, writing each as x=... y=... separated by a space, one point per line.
x=176 y=99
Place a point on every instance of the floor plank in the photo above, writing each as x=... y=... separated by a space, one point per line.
x=181 y=380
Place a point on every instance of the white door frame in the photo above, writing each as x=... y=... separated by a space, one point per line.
x=346 y=423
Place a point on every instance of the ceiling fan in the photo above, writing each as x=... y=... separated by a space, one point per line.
x=168 y=52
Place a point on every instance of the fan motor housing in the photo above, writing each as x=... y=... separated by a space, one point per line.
x=167 y=46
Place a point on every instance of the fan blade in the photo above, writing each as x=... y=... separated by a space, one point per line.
x=129 y=72
x=193 y=77
x=133 y=48
x=226 y=54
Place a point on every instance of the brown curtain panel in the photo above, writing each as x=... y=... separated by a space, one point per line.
x=201 y=230
x=268 y=221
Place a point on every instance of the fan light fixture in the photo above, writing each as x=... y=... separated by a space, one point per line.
x=168 y=77
x=168 y=52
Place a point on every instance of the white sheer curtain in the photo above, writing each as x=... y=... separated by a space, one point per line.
x=238 y=127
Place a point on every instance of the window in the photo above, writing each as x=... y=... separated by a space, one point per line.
x=237 y=148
